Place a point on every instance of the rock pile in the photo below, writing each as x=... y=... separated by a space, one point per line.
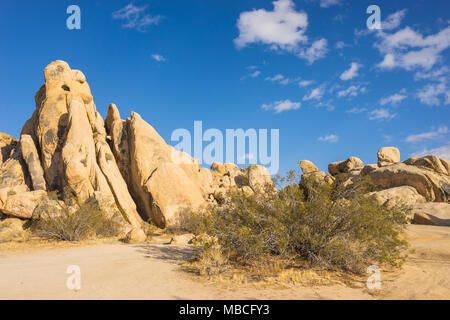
x=66 y=147
x=421 y=183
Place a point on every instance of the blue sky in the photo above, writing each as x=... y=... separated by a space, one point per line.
x=309 y=68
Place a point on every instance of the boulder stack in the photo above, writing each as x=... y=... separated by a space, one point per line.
x=66 y=147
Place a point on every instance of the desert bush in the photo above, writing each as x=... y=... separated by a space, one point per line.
x=88 y=221
x=187 y=221
x=335 y=228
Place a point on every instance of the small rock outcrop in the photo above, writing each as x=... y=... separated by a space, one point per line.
x=387 y=156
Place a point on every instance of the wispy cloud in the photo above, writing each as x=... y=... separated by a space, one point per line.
x=305 y=83
x=158 y=57
x=316 y=51
x=356 y=110
x=329 y=3
x=427 y=135
x=393 y=99
x=381 y=115
x=315 y=94
x=351 y=91
x=332 y=138
x=280 y=106
x=135 y=17
x=351 y=72
x=441 y=152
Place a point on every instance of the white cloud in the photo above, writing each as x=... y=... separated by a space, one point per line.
x=315 y=94
x=305 y=83
x=393 y=20
x=427 y=135
x=351 y=91
x=340 y=45
x=282 y=28
x=277 y=77
x=431 y=94
x=255 y=74
x=329 y=3
x=351 y=72
x=410 y=50
x=329 y=138
x=356 y=110
x=441 y=152
x=381 y=114
x=158 y=57
x=393 y=99
x=135 y=17
x=280 y=106
x=316 y=51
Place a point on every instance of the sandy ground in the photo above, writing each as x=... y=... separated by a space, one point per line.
x=152 y=271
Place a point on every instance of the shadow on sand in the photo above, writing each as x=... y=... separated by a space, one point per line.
x=170 y=253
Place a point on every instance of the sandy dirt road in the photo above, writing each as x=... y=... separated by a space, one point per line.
x=152 y=271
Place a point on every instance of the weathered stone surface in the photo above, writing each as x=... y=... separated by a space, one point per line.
x=432 y=162
x=345 y=166
x=12 y=171
x=387 y=156
x=307 y=166
x=259 y=177
x=135 y=236
x=22 y=205
x=432 y=186
x=31 y=157
x=160 y=186
x=7 y=145
x=432 y=213
x=11 y=229
x=404 y=195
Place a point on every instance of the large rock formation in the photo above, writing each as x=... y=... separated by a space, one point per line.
x=119 y=164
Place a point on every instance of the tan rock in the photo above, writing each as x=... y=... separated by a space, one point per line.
x=22 y=205
x=160 y=186
x=31 y=157
x=7 y=145
x=432 y=213
x=432 y=162
x=136 y=235
x=345 y=166
x=183 y=239
x=307 y=166
x=387 y=156
x=259 y=177
x=11 y=229
x=432 y=186
x=404 y=195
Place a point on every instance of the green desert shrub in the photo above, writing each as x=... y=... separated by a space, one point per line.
x=87 y=222
x=335 y=228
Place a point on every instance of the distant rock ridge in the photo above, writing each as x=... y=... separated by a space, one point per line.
x=67 y=147
x=416 y=182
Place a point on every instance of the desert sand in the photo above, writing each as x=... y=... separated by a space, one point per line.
x=153 y=271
